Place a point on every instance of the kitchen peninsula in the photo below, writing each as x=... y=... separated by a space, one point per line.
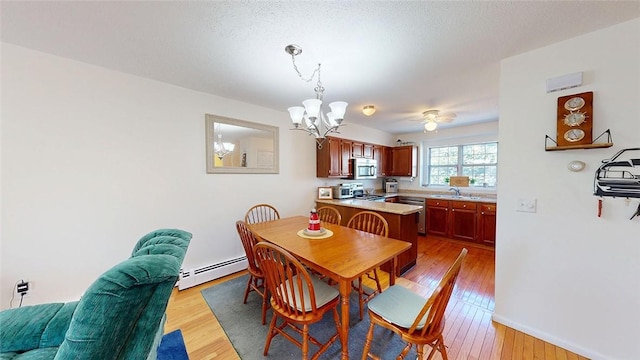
x=402 y=219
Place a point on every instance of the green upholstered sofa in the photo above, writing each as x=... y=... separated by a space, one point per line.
x=120 y=316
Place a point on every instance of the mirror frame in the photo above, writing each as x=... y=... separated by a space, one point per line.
x=210 y=120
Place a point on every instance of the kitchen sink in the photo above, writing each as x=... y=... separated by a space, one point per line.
x=456 y=197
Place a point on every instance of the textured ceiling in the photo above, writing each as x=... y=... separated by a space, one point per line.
x=403 y=57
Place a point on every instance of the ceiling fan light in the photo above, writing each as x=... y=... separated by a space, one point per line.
x=431 y=115
x=369 y=110
x=430 y=125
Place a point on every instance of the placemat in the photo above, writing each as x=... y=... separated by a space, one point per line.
x=328 y=233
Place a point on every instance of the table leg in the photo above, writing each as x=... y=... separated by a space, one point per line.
x=345 y=290
x=394 y=268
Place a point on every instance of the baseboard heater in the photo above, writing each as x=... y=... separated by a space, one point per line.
x=201 y=275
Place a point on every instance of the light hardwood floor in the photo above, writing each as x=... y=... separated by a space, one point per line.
x=469 y=333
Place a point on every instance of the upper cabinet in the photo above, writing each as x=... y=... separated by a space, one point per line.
x=333 y=159
x=404 y=161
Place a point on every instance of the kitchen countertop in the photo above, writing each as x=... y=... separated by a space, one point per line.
x=393 y=208
x=419 y=195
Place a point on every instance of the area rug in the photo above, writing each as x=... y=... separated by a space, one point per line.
x=172 y=347
x=242 y=324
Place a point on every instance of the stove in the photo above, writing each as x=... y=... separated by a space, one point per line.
x=377 y=198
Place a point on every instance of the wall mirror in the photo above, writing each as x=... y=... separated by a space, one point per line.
x=240 y=147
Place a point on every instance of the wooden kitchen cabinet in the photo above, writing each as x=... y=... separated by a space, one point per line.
x=380 y=154
x=438 y=217
x=334 y=159
x=329 y=159
x=487 y=224
x=462 y=220
x=346 y=151
x=362 y=150
x=404 y=160
x=357 y=149
x=367 y=151
x=401 y=227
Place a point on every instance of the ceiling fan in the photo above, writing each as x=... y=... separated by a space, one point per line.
x=431 y=119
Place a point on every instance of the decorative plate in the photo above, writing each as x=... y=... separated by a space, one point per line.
x=574 y=135
x=574 y=119
x=320 y=232
x=573 y=104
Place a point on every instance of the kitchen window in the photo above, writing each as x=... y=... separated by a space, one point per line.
x=477 y=161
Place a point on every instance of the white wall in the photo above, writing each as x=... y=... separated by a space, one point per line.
x=563 y=274
x=93 y=159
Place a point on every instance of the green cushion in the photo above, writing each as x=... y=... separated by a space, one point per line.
x=23 y=327
x=53 y=335
x=161 y=232
x=120 y=312
x=167 y=249
x=324 y=293
x=399 y=305
x=120 y=316
x=37 y=354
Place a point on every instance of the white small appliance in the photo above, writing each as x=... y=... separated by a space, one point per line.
x=390 y=185
x=364 y=168
x=342 y=191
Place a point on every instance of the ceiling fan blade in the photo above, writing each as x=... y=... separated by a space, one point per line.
x=446 y=118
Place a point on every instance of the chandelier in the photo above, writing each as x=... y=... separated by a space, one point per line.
x=316 y=123
x=222 y=149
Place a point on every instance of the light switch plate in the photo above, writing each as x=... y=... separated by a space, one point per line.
x=526 y=205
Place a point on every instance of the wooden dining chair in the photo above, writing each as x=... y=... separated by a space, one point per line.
x=297 y=298
x=261 y=213
x=417 y=320
x=256 y=276
x=374 y=223
x=329 y=215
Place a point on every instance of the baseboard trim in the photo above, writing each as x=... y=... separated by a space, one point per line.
x=589 y=353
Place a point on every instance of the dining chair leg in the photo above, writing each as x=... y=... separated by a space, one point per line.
x=367 y=343
x=375 y=275
x=439 y=346
x=360 y=297
x=405 y=351
x=264 y=307
x=305 y=341
x=336 y=318
x=270 y=334
x=420 y=350
x=246 y=292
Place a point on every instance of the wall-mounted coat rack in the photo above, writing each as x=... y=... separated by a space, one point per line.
x=619 y=176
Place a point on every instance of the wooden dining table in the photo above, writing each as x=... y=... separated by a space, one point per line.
x=343 y=257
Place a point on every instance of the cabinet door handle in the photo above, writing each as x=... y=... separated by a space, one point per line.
x=482 y=213
x=453 y=210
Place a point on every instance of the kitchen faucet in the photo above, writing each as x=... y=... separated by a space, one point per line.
x=456 y=190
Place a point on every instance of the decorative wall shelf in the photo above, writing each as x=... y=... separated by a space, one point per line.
x=594 y=145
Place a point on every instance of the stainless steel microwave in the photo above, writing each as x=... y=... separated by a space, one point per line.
x=364 y=168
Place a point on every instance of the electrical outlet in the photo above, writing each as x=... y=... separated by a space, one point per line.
x=22 y=287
